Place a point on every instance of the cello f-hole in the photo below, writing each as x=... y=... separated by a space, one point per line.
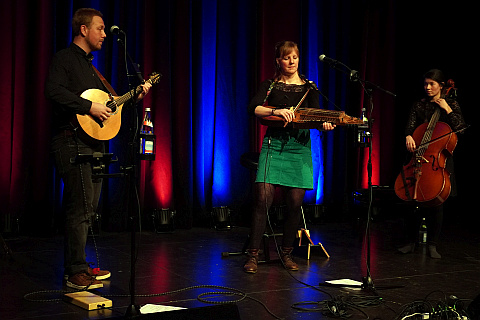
x=433 y=163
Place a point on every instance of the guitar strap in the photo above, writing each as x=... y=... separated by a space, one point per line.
x=105 y=82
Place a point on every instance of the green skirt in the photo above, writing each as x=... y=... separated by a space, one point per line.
x=286 y=158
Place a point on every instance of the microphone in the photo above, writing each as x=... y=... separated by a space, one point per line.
x=115 y=29
x=326 y=59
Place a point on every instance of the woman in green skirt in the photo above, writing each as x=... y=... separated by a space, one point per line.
x=285 y=158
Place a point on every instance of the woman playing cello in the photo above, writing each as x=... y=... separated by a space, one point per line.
x=436 y=86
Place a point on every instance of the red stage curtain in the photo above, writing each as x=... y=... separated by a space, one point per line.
x=373 y=37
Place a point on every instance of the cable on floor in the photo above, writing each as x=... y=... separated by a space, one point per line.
x=206 y=297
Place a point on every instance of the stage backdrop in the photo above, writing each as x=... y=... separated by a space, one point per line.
x=212 y=55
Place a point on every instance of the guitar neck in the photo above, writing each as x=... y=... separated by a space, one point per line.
x=127 y=96
x=130 y=94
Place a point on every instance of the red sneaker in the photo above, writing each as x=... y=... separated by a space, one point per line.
x=83 y=281
x=99 y=274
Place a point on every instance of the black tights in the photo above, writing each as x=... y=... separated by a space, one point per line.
x=264 y=197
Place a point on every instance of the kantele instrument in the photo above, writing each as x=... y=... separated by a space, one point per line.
x=311 y=118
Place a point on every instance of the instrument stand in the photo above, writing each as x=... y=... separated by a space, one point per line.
x=305 y=248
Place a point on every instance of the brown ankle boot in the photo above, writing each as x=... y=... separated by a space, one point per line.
x=252 y=262
x=286 y=256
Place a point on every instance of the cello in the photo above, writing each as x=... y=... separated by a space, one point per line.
x=424 y=180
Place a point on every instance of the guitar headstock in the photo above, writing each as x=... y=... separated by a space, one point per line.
x=154 y=78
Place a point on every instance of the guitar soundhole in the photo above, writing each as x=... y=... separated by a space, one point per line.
x=112 y=105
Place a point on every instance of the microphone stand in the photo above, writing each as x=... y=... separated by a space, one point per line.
x=133 y=309
x=134 y=65
x=367 y=281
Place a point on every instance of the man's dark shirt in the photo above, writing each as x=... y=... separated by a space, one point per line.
x=70 y=74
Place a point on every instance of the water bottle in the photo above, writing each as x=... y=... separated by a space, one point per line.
x=147 y=138
x=147 y=125
x=422 y=233
x=362 y=130
x=364 y=116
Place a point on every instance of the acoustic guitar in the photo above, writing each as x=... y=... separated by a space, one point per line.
x=108 y=129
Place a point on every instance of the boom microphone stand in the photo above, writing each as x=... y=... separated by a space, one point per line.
x=367 y=281
x=131 y=178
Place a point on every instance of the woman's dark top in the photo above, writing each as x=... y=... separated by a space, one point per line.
x=423 y=110
x=286 y=157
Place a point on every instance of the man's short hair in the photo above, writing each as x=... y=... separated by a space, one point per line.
x=83 y=16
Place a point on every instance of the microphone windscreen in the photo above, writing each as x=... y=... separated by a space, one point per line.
x=114 y=29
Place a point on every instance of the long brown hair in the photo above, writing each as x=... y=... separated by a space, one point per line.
x=283 y=49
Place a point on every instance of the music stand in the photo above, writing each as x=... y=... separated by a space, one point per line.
x=99 y=161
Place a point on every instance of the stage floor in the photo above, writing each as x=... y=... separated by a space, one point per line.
x=174 y=269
